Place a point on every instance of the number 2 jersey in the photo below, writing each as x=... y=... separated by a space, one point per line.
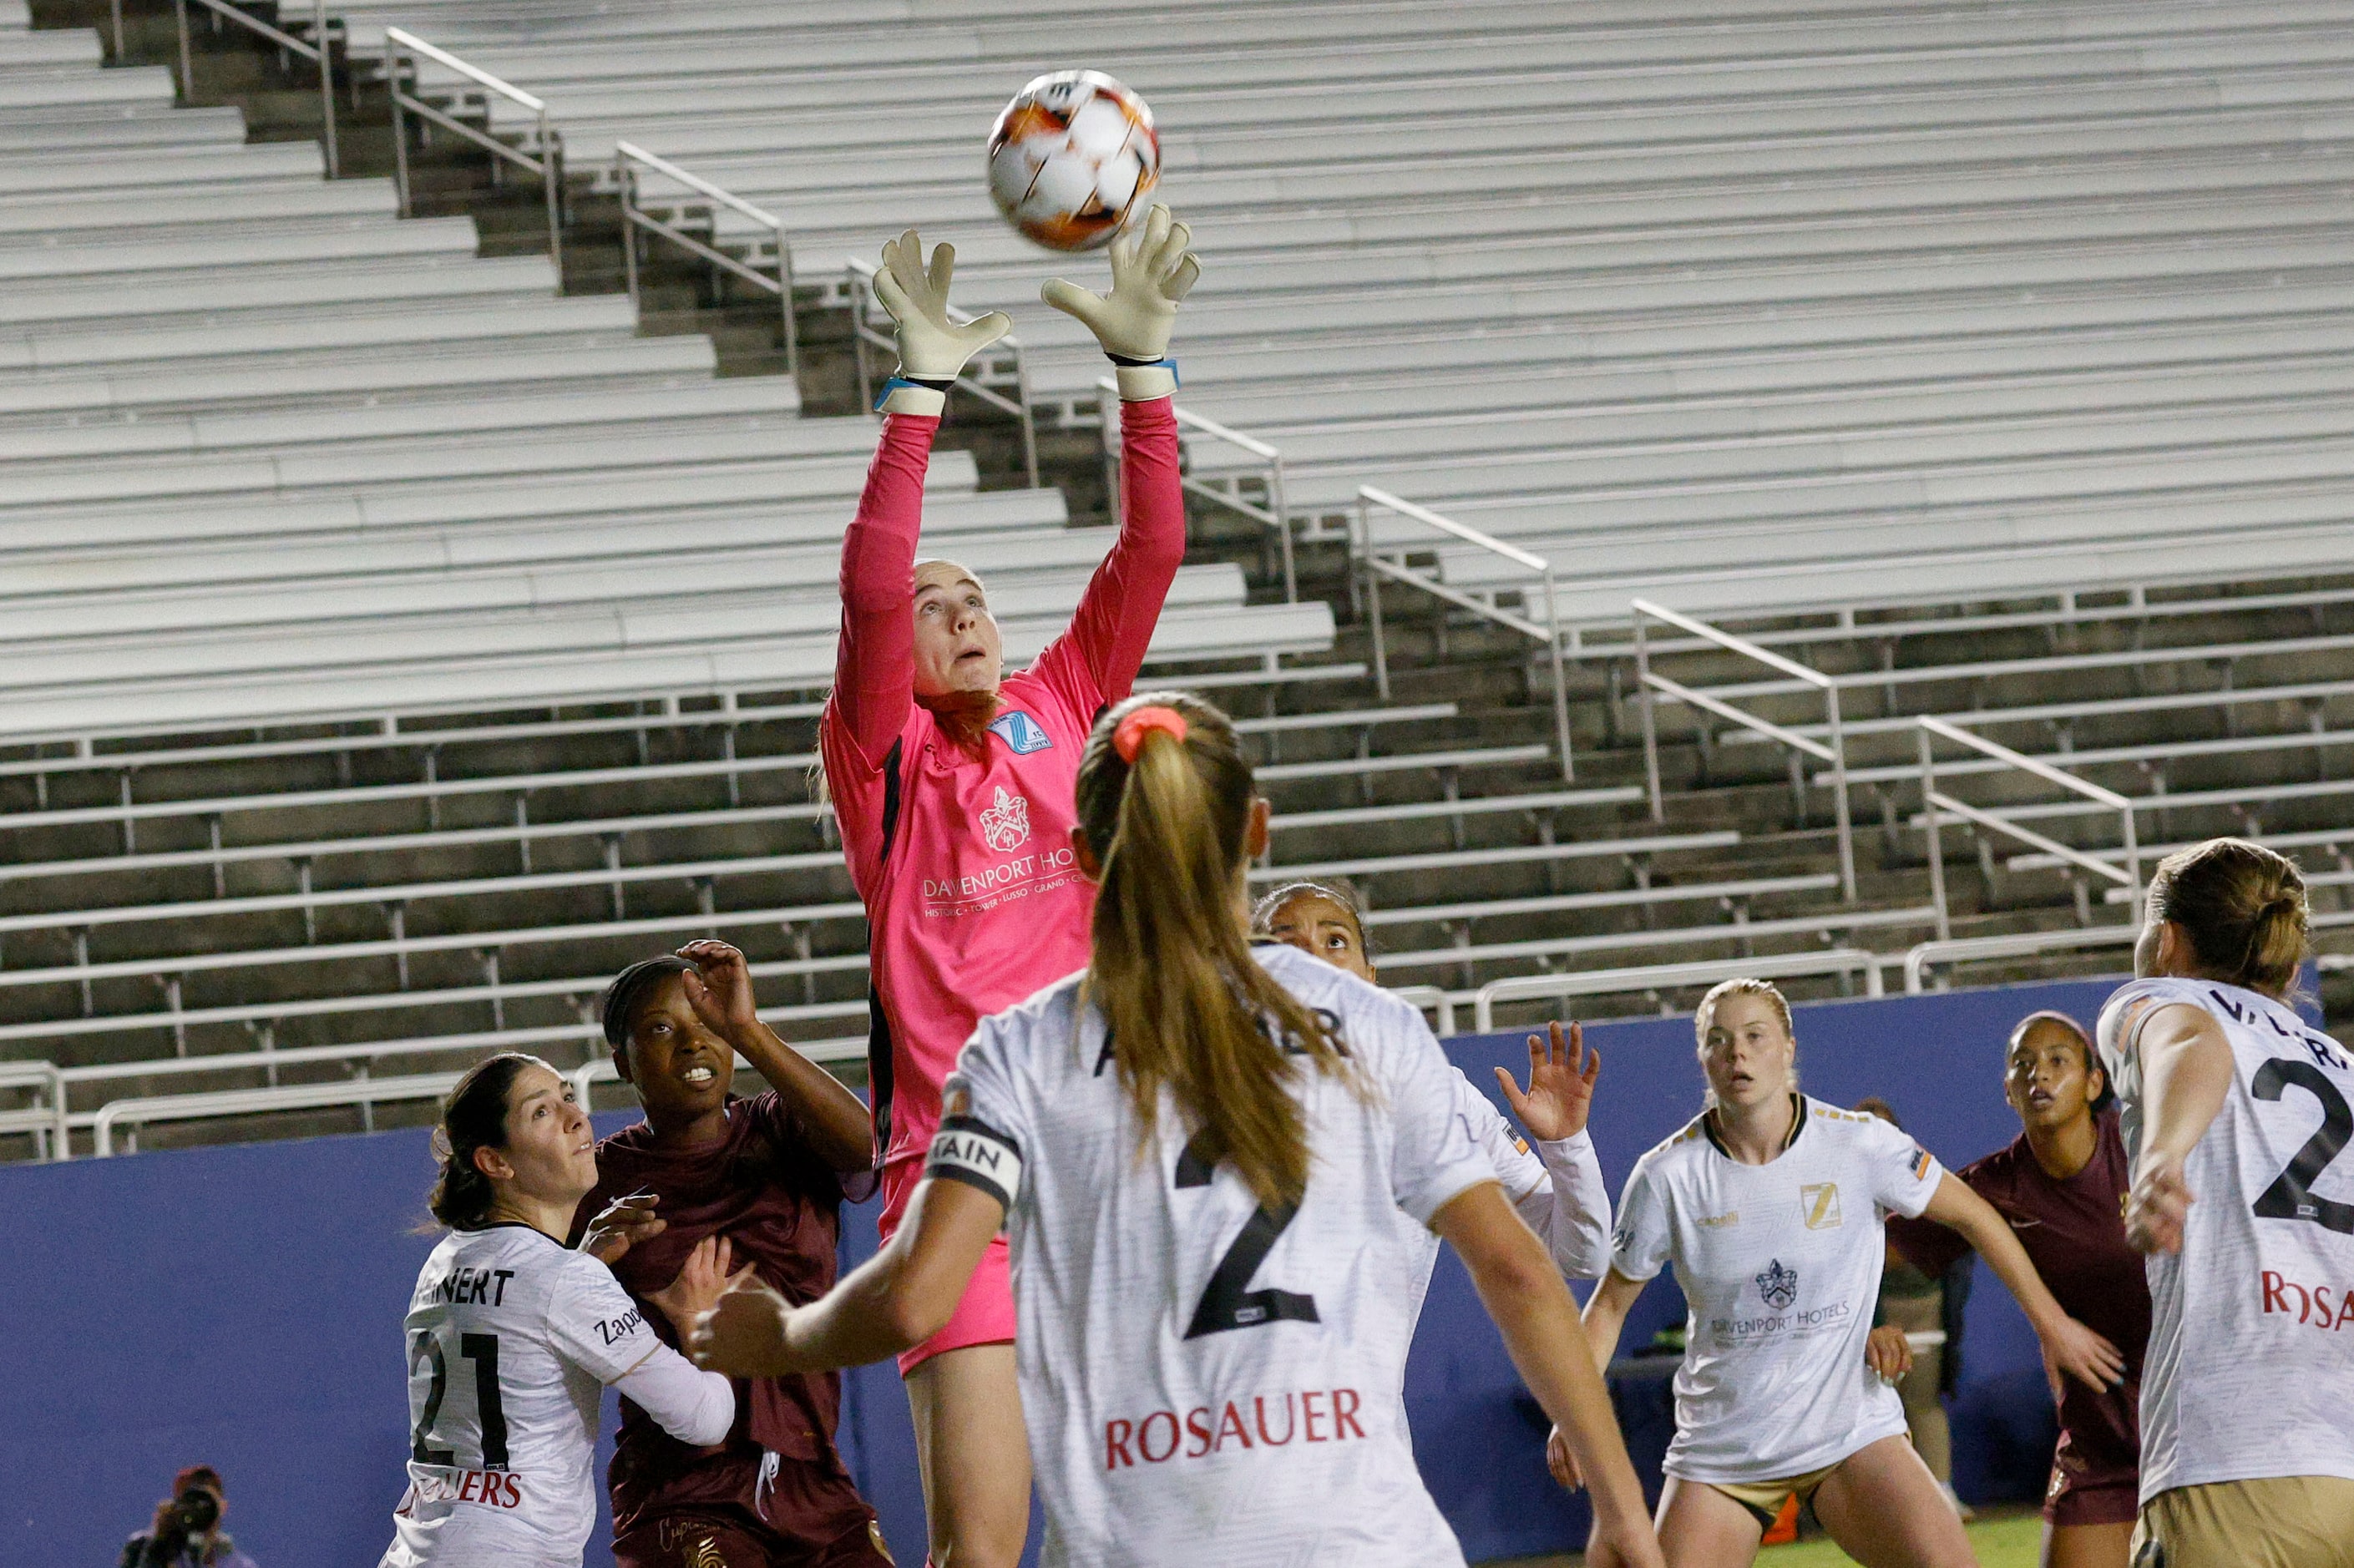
x=512 y=1338
x=1206 y=1381
x=2251 y=1365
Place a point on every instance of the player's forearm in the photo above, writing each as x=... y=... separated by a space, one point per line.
x=1577 y=1219
x=1548 y=1345
x=875 y=661
x=1975 y=1219
x=836 y=1122
x=1116 y=617
x=2186 y=1077
x=1606 y=1316
x=906 y=1292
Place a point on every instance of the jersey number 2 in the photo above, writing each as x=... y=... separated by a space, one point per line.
x=482 y=1350
x=1225 y=1303
x=2290 y=1197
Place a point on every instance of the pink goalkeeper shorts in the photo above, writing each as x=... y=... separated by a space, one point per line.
x=983 y=1316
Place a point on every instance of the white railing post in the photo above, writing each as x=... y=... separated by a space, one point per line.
x=318 y=48
x=1645 y=707
x=1275 y=515
x=549 y=165
x=1547 y=630
x=1934 y=837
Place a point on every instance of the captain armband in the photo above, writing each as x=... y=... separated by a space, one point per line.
x=969 y=1150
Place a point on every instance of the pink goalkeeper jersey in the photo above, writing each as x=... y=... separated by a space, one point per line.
x=965 y=866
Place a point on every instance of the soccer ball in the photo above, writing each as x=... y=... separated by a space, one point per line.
x=1071 y=158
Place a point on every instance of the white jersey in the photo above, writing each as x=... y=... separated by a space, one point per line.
x=1558 y=1191
x=2251 y=1364
x=1780 y=1265
x=1206 y=1381
x=511 y=1339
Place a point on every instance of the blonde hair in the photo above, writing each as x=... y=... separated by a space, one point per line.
x=2243 y=907
x=1705 y=1015
x=1187 y=1005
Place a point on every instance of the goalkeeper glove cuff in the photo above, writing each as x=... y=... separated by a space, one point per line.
x=1142 y=380
x=922 y=395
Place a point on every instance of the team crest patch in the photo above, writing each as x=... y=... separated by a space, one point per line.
x=1778 y=1285
x=1021 y=733
x=1005 y=826
x=1820 y=1206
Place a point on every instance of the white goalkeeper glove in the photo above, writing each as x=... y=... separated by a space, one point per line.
x=933 y=345
x=1150 y=272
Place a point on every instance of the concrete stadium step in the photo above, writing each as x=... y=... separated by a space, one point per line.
x=389 y=427
x=42 y=220
x=162 y=258
x=182 y=171
x=249 y=293
x=426 y=503
x=429 y=373
x=590 y=320
x=583 y=673
x=161 y=127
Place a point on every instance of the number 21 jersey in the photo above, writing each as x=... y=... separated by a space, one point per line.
x=2251 y=1365
x=1207 y=1380
x=511 y=1339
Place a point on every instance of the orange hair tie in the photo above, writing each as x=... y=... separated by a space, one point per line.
x=1129 y=737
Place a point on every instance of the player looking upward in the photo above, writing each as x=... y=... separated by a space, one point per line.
x=2061 y=1185
x=512 y=1337
x=2236 y=1115
x=952 y=787
x=1558 y=1189
x=1213 y=1160
x=1769 y=1203
x=769 y=1174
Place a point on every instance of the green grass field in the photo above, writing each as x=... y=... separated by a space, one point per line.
x=2009 y=1541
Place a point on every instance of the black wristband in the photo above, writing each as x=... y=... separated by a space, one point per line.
x=938 y=385
x=1124 y=359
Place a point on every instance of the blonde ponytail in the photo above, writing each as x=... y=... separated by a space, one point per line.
x=1171 y=972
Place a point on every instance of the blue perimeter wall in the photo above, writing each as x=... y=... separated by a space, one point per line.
x=241 y=1306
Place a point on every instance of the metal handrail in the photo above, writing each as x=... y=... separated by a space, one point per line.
x=44 y=1122
x=1935 y=801
x=627 y=157
x=403 y=50
x=322 y=51
x=249 y=1102
x=2029 y=943
x=1547 y=631
x=999 y=365
x=1431 y=999
x=1835 y=753
x=1275 y=515
x=1662 y=977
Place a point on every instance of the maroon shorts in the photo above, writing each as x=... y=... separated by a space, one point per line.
x=2096 y=1479
x=726 y=1540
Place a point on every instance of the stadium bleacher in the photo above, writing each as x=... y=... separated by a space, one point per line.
x=1979 y=366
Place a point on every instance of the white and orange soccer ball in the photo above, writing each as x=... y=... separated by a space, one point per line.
x=1072 y=158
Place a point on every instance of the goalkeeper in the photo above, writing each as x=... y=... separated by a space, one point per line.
x=952 y=783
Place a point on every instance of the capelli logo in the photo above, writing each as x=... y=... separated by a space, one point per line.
x=1005 y=825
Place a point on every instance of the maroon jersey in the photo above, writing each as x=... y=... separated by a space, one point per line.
x=2074 y=1233
x=780 y=1206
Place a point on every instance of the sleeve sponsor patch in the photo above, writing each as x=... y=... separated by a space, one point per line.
x=1920 y=1163
x=969 y=1150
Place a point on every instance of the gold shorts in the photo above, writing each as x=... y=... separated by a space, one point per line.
x=2273 y=1521
x=1765 y=1499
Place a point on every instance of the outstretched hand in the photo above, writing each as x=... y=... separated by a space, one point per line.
x=1151 y=271
x=620 y=1225
x=1562 y=1463
x=933 y=344
x=742 y=1333
x=702 y=1280
x=1560 y=1095
x=719 y=988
